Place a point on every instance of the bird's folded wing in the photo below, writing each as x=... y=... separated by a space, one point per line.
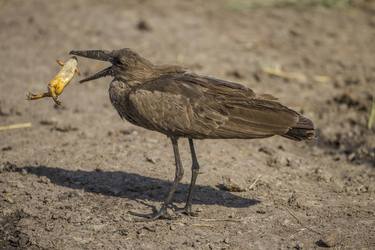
x=202 y=107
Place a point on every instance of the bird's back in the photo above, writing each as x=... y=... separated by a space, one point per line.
x=188 y=105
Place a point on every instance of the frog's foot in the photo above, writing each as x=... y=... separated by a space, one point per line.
x=31 y=96
x=77 y=71
x=58 y=103
x=59 y=62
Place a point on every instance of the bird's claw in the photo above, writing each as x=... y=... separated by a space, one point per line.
x=162 y=213
x=187 y=211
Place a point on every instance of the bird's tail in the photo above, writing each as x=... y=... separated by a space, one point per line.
x=303 y=130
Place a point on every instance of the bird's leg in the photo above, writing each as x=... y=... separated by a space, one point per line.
x=178 y=176
x=194 y=175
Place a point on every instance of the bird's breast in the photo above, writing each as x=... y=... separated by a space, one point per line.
x=119 y=96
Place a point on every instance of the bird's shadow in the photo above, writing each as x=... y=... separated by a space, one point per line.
x=134 y=186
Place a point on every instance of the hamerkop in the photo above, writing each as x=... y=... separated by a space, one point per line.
x=177 y=103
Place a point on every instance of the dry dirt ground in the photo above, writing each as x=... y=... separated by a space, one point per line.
x=72 y=180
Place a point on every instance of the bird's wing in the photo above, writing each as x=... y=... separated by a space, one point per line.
x=203 y=107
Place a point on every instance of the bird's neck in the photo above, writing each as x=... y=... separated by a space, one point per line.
x=167 y=69
x=146 y=72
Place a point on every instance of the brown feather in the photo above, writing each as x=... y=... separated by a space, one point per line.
x=200 y=107
x=180 y=104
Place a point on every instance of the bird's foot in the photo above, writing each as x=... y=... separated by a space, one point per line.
x=162 y=213
x=187 y=211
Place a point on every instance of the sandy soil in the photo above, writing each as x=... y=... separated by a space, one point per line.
x=72 y=180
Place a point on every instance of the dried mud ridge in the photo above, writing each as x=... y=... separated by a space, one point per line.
x=10 y=235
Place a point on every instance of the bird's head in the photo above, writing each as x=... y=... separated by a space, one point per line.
x=126 y=64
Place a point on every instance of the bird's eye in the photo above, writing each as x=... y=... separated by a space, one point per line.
x=116 y=60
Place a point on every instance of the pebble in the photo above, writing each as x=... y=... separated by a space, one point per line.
x=8 y=199
x=123 y=232
x=231 y=186
x=330 y=239
x=143 y=26
x=149 y=228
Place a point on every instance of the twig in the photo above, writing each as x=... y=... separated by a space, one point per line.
x=371 y=119
x=299 y=222
x=228 y=220
x=15 y=126
x=202 y=225
x=254 y=183
x=278 y=72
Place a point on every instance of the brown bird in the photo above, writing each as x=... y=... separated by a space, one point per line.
x=178 y=104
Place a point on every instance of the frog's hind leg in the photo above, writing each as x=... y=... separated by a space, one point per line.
x=77 y=71
x=56 y=100
x=53 y=94
x=31 y=96
x=59 y=62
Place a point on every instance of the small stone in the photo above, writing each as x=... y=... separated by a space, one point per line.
x=19 y=185
x=298 y=246
x=123 y=232
x=235 y=73
x=48 y=122
x=331 y=239
x=126 y=131
x=8 y=167
x=49 y=227
x=151 y=159
x=149 y=228
x=44 y=180
x=7 y=148
x=143 y=26
x=260 y=211
x=64 y=128
x=266 y=150
x=231 y=186
x=293 y=201
x=198 y=210
x=352 y=157
x=8 y=199
x=226 y=240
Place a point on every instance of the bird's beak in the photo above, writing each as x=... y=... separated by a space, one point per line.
x=102 y=55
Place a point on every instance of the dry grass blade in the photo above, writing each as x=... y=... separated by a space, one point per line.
x=202 y=225
x=322 y=79
x=16 y=126
x=279 y=72
x=299 y=222
x=371 y=119
x=226 y=220
x=254 y=183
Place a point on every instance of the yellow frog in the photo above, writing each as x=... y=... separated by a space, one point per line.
x=60 y=81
